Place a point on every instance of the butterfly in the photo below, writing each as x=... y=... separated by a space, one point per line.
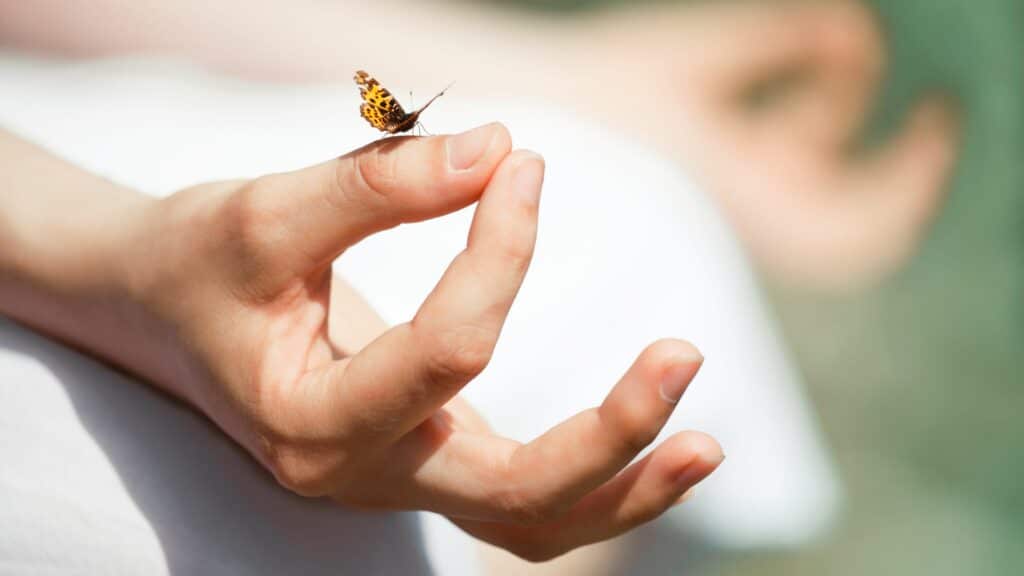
x=381 y=109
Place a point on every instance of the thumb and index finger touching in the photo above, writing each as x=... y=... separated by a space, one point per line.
x=333 y=205
x=411 y=370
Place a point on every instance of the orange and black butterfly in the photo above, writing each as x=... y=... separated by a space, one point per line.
x=381 y=109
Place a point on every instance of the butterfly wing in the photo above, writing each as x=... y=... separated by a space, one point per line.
x=379 y=107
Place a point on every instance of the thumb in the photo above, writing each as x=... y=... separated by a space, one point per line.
x=322 y=210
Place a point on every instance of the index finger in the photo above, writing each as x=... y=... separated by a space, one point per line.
x=408 y=373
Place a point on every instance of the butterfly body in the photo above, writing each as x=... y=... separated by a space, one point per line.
x=382 y=110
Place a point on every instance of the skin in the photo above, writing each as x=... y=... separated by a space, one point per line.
x=222 y=295
x=813 y=213
x=814 y=209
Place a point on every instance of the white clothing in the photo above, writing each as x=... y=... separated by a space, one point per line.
x=101 y=474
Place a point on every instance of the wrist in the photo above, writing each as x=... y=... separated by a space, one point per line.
x=67 y=263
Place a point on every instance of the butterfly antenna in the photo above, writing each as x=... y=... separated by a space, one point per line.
x=439 y=94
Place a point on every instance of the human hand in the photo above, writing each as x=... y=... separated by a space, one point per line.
x=812 y=212
x=234 y=313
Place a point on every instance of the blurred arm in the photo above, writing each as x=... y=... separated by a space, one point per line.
x=417 y=42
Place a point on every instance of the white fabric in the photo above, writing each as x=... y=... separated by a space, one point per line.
x=102 y=475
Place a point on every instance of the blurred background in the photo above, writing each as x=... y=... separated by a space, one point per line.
x=907 y=325
x=916 y=378
x=917 y=381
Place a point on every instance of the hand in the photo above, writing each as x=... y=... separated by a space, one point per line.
x=811 y=212
x=235 y=313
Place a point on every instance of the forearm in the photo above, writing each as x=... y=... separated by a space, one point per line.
x=67 y=238
x=486 y=49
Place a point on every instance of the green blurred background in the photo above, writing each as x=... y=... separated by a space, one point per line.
x=917 y=382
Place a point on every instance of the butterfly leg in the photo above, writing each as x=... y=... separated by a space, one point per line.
x=412 y=105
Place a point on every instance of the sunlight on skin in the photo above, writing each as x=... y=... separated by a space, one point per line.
x=222 y=295
x=812 y=215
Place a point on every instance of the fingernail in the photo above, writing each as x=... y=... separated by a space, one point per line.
x=677 y=377
x=466 y=149
x=529 y=178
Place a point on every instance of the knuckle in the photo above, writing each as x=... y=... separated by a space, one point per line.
x=301 y=475
x=461 y=353
x=371 y=172
x=638 y=435
x=632 y=427
x=529 y=509
x=255 y=222
x=517 y=255
x=295 y=468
